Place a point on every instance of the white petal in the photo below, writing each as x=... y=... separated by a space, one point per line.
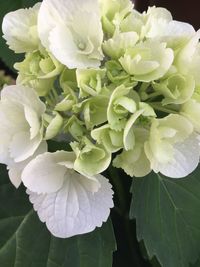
x=19 y=29
x=178 y=28
x=4 y=144
x=63 y=47
x=15 y=176
x=60 y=12
x=43 y=174
x=186 y=159
x=12 y=118
x=22 y=147
x=33 y=121
x=73 y=209
x=23 y=95
x=16 y=168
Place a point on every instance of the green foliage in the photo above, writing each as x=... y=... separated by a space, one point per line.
x=167 y=217
x=25 y=241
x=8 y=56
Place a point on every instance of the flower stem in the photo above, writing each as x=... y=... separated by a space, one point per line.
x=159 y=107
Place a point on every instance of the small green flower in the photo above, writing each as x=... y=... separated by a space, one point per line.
x=147 y=61
x=90 y=159
x=90 y=81
x=176 y=89
x=117 y=75
x=53 y=125
x=111 y=139
x=75 y=127
x=113 y=12
x=135 y=162
x=121 y=104
x=38 y=70
x=116 y=46
x=94 y=110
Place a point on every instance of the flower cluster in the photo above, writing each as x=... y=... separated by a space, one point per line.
x=117 y=86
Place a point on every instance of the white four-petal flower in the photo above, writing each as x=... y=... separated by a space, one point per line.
x=68 y=202
x=21 y=128
x=65 y=31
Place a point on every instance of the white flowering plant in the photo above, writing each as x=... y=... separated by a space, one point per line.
x=104 y=96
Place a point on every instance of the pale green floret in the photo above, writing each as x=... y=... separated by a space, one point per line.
x=113 y=12
x=135 y=162
x=129 y=135
x=150 y=24
x=116 y=46
x=75 y=127
x=90 y=159
x=176 y=89
x=144 y=113
x=111 y=139
x=54 y=125
x=120 y=106
x=90 y=81
x=164 y=134
x=134 y=22
x=147 y=61
x=117 y=75
x=69 y=99
x=94 y=110
x=39 y=70
x=191 y=110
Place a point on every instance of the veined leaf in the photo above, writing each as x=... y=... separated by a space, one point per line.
x=167 y=213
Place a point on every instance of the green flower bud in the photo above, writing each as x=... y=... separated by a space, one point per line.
x=120 y=106
x=176 y=89
x=54 y=123
x=90 y=159
x=39 y=71
x=147 y=61
x=135 y=162
x=116 y=46
x=113 y=12
x=117 y=75
x=68 y=79
x=75 y=127
x=94 y=110
x=90 y=81
x=134 y=22
x=111 y=139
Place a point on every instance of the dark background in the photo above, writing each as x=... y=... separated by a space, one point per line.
x=184 y=10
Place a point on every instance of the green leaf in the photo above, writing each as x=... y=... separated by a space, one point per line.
x=197 y=263
x=167 y=213
x=7 y=55
x=25 y=241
